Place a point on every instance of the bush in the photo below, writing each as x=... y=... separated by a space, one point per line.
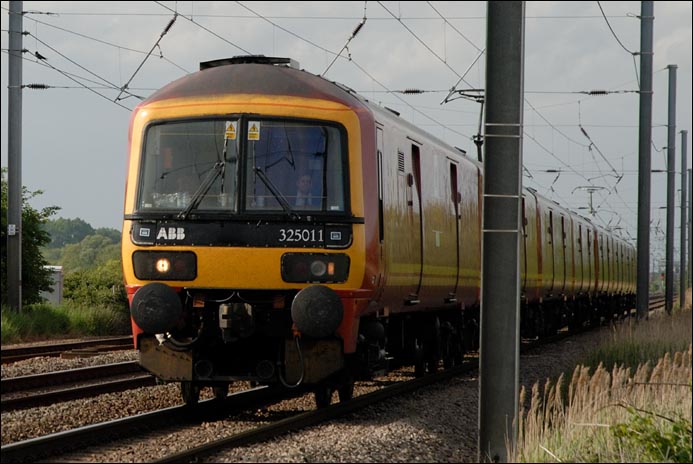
x=100 y=287
x=660 y=439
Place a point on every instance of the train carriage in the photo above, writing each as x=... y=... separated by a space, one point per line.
x=281 y=229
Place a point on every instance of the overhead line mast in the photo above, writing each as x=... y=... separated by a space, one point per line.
x=645 y=158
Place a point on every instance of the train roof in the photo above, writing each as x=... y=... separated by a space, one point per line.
x=258 y=74
x=254 y=75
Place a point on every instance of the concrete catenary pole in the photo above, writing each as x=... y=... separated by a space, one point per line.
x=644 y=158
x=14 y=159
x=671 y=191
x=683 y=268
x=500 y=275
x=690 y=229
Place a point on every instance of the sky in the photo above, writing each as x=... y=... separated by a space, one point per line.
x=579 y=149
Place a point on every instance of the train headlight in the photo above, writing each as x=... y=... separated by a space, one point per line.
x=315 y=267
x=165 y=265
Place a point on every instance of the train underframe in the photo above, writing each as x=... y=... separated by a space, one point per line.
x=250 y=337
x=221 y=339
x=546 y=317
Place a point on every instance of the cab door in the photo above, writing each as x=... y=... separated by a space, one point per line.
x=549 y=255
x=415 y=221
x=455 y=199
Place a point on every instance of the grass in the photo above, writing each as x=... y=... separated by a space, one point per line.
x=46 y=321
x=634 y=406
x=637 y=342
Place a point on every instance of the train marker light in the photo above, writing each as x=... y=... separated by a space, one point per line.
x=163 y=265
x=318 y=268
x=315 y=267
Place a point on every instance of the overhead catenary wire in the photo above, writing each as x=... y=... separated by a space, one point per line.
x=156 y=44
x=592 y=92
x=633 y=54
x=425 y=45
x=361 y=68
x=96 y=85
x=353 y=34
x=407 y=91
x=103 y=79
x=105 y=42
x=206 y=29
x=86 y=87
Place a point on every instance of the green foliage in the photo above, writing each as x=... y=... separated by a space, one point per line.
x=93 y=251
x=669 y=440
x=102 y=286
x=41 y=321
x=112 y=234
x=66 y=231
x=34 y=277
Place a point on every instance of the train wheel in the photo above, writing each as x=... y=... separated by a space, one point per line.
x=432 y=346
x=190 y=392
x=323 y=395
x=453 y=351
x=448 y=359
x=221 y=392
x=346 y=387
x=419 y=359
x=432 y=363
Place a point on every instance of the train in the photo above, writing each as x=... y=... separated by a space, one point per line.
x=283 y=230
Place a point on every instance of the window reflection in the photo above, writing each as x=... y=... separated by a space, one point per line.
x=288 y=166
x=179 y=160
x=301 y=165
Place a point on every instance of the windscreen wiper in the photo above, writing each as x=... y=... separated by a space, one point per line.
x=202 y=189
x=275 y=191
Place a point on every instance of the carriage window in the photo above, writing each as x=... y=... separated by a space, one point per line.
x=294 y=166
x=189 y=164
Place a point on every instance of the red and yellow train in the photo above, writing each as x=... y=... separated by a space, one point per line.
x=280 y=228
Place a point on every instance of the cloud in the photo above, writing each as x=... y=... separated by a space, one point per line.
x=75 y=140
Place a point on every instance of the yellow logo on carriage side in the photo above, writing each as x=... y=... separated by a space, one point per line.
x=254 y=130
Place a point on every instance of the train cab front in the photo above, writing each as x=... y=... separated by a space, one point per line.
x=239 y=237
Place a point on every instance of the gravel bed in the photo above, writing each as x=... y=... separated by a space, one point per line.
x=45 y=364
x=437 y=424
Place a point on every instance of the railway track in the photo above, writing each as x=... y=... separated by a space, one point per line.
x=247 y=402
x=42 y=389
x=90 y=435
x=67 y=349
x=208 y=410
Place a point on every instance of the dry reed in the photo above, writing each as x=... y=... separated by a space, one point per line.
x=580 y=426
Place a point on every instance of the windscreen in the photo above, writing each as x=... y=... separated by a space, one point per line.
x=281 y=166
x=294 y=165
x=192 y=161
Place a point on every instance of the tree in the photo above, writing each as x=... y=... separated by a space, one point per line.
x=93 y=251
x=101 y=286
x=111 y=233
x=66 y=231
x=35 y=277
